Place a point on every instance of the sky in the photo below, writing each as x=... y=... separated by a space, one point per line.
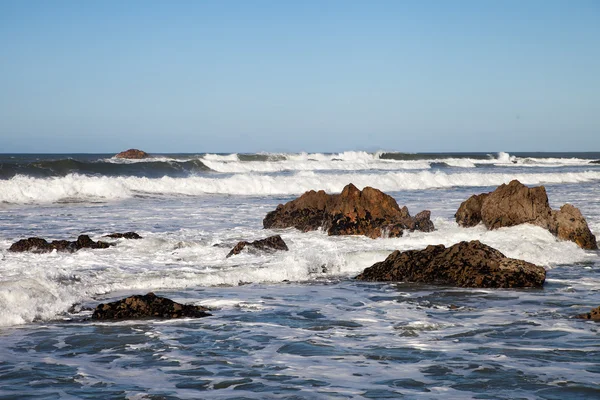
x=290 y=76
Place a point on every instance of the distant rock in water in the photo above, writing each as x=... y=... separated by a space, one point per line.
x=39 y=245
x=133 y=154
x=595 y=162
x=465 y=264
x=272 y=243
x=126 y=235
x=593 y=315
x=369 y=212
x=147 y=306
x=516 y=204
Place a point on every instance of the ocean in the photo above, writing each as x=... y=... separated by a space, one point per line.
x=286 y=325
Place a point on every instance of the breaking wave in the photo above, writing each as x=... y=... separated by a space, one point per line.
x=76 y=188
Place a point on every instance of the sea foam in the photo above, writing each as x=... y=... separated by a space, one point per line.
x=75 y=187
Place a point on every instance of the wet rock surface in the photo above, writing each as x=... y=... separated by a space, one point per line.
x=147 y=306
x=516 y=204
x=39 y=245
x=270 y=244
x=126 y=235
x=133 y=154
x=369 y=212
x=465 y=264
x=593 y=315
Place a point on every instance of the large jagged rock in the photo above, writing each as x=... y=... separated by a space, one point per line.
x=133 y=154
x=465 y=264
x=369 y=212
x=39 y=245
x=272 y=243
x=593 y=315
x=516 y=204
x=147 y=306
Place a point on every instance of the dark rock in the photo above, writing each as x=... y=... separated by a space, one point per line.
x=39 y=245
x=369 y=212
x=272 y=243
x=32 y=244
x=133 y=154
x=593 y=315
x=469 y=212
x=595 y=162
x=126 y=235
x=516 y=204
x=147 y=306
x=465 y=264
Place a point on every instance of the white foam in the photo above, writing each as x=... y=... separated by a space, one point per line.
x=221 y=157
x=41 y=286
x=74 y=187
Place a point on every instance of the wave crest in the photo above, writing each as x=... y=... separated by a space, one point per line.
x=75 y=187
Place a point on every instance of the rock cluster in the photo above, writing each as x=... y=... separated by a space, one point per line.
x=39 y=245
x=147 y=306
x=369 y=212
x=593 y=315
x=465 y=264
x=133 y=154
x=515 y=204
x=272 y=243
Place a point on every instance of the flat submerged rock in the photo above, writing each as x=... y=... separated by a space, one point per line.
x=39 y=245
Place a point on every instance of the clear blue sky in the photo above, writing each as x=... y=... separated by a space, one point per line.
x=248 y=76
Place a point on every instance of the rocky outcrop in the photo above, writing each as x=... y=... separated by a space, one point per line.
x=465 y=264
x=147 y=306
x=595 y=162
x=133 y=154
x=126 y=235
x=369 y=212
x=469 y=212
x=270 y=244
x=569 y=224
x=593 y=315
x=39 y=245
x=516 y=204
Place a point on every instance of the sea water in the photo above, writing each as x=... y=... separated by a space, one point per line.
x=286 y=325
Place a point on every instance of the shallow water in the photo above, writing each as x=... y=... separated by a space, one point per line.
x=290 y=324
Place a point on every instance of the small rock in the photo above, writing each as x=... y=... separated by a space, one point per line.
x=593 y=315
x=147 y=306
x=272 y=243
x=133 y=154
